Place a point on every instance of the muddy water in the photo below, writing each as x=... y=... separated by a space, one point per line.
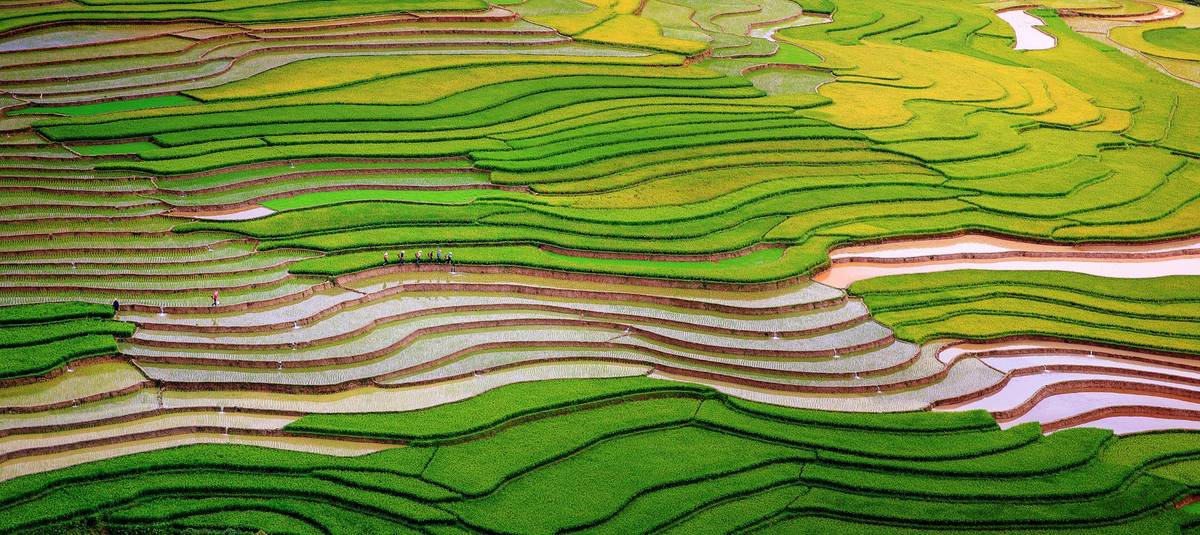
x=768 y=32
x=244 y=214
x=1041 y=347
x=1124 y=425
x=1063 y=406
x=852 y=264
x=1019 y=389
x=974 y=243
x=1025 y=26
x=1024 y=356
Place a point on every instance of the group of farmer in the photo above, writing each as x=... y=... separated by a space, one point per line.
x=434 y=257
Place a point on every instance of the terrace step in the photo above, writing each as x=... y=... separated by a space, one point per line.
x=152 y=402
x=328 y=301
x=184 y=437
x=88 y=383
x=24 y=445
x=380 y=357
x=1081 y=408
x=356 y=319
x=1068 y=384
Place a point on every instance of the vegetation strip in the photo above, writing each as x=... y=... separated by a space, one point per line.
x=939 y=446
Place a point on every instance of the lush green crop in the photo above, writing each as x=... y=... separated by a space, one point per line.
x=898 y=422
x=1181 y=39
x=20 y=335
x=112 y=106
x=38 y=359
x=1153 y=313
x=35 y=339
x=633 y=453
x=477 y=107
x=763 y=265
x=485 y=410
x=45 y=312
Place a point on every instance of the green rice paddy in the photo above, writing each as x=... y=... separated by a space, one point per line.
x=636 y=196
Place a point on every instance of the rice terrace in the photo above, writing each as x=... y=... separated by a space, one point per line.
x=599 y=266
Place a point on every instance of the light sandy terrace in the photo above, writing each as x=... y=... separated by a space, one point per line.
x=275 y=371
x=24 y=444
x=86 y=381
x=917 y=387
x=50 y=461
x=149 y=402
x=219 y=350
x=407 y=325
x=308 y=309
x=356 y=320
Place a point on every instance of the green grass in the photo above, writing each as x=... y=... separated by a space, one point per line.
x=653 y=453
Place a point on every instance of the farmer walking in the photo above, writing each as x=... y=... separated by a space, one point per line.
x=401 y=259
x=439 y=254
x=116 y=306
x=385 y=258
x=216 y=297
x=450 y=259
x=418 y=259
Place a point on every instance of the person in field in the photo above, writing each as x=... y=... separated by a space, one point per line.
x=401 y=259
x=418 y=259
x=216 y=297
x=385 y=258
x=116 y=306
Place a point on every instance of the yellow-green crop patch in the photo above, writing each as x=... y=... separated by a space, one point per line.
x=984 y=305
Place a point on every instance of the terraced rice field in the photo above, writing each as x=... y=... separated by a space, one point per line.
x=556 y=266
